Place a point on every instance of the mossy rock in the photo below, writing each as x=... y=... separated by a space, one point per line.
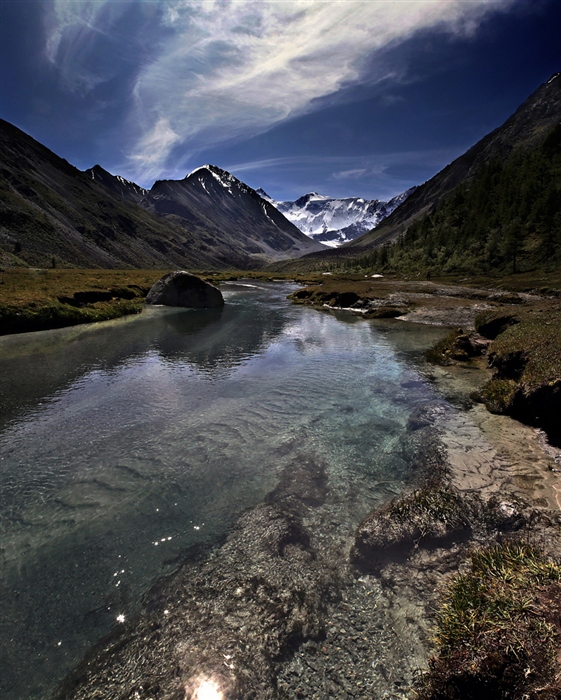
x=456 y=346
x=498 y=395
x=386 y=312
x=527 y=386
x=426 y=518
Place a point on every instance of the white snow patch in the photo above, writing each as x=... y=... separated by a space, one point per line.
x=345 y=218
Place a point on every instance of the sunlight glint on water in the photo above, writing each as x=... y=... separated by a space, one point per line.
x=127 y=444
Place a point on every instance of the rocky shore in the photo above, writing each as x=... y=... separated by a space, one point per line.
x=292 y=606
x=517 y=332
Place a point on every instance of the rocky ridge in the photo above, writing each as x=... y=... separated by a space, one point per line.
x=54 y=215
x=333 y=220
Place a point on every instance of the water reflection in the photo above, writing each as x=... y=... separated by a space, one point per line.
x=129 y=446
x=204 y=689
x=38 y=366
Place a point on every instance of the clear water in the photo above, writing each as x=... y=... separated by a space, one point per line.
x=125 y=444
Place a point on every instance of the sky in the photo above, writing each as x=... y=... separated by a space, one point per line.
x=346 y=98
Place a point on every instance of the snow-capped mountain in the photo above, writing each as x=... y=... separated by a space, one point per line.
x=335 y=221
x=237 y=219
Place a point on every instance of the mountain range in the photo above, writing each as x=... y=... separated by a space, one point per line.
x=51 y=213
x=496 y=207
x=334 y=221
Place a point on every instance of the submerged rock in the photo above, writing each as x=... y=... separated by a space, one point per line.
x=304 y=481
x=222 y=626
x=183 y=289
x=427 y=518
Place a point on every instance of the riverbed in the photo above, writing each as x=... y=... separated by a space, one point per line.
x=130 y=447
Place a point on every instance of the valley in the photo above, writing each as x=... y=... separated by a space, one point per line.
x=326 y=488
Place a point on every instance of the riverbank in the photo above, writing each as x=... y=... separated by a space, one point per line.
x=42 y=299
x=293 y=605
x=499 y=492
x=34 y=300
x=516 y=330
x=281 y=608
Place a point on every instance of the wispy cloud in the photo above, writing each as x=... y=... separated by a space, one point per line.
x=221 y=69
x=352 y=174
x=373 y=162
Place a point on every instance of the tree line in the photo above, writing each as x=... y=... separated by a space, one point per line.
x=506 y=219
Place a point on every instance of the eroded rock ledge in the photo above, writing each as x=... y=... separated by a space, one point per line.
x=524 y=350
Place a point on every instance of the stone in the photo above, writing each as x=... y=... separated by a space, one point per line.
x=427 y=518
x=183 y=289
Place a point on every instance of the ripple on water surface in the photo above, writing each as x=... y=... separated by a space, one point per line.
x=136 y=441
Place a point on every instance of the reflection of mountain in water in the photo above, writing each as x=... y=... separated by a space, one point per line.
x=39 y=365
x=243 y=331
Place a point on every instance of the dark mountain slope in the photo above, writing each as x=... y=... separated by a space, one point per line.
x=51 y=213
x=507 y=219
x=497 y=205
x=237 y=218
x=49 y=209
x=523 y=131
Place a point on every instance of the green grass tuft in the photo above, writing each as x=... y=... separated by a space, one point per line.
x=497 y=631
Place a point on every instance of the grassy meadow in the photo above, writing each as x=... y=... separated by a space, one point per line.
x=39 y=299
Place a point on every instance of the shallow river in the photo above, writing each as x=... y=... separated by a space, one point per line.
x=126 y=444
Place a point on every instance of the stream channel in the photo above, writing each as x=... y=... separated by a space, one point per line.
x=126 y=445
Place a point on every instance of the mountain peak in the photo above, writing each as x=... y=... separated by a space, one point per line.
x=336 y=220
x=261 y=192
x=223 y=177
x=116 y=183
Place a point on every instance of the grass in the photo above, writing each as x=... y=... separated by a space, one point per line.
x=32 y=300
x=446 y=349
x=527 y=360
x=21 y=287
x=498 y=629
x=39 y=299
x=536 y=342
x=425 y=507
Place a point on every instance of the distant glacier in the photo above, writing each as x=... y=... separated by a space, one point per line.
x=334 y=221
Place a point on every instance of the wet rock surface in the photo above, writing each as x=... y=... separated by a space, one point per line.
x=227 y=622
x=427 y=518
x=415 y=301
x=304 y=483
x=183 y=289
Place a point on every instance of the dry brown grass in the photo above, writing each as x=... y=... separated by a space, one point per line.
x=20 y=287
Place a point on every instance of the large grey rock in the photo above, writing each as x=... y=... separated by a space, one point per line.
x=183 y=289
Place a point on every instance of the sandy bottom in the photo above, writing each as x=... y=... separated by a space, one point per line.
x=497 y=454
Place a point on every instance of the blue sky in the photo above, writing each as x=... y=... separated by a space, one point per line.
x=347 y=98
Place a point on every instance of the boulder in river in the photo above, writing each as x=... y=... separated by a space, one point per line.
x=183 y=289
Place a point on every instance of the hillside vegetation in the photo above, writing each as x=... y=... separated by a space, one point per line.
x=496 y=208
x=508 y=219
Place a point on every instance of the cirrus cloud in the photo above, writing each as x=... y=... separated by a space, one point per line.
x=209 y=71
